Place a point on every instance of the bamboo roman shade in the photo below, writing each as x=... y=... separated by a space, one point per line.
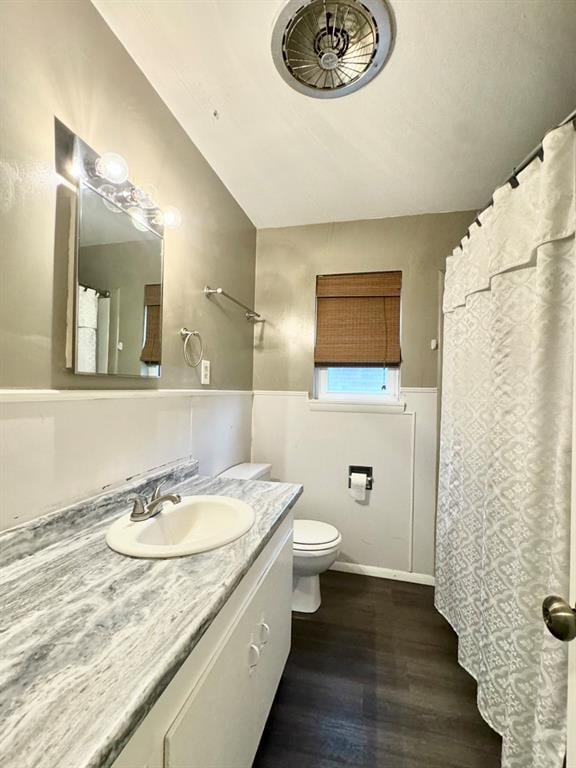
x=152 y=350
x=358 y=319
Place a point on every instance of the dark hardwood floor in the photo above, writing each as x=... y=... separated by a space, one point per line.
x=373 y=680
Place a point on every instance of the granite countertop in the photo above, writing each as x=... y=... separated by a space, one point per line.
x=89 y=639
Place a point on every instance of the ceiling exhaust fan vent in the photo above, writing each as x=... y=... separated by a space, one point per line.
x=328 y=48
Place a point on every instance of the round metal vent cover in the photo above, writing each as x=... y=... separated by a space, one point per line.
x=328 y=48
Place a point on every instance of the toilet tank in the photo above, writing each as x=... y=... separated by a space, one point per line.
x=247 y=471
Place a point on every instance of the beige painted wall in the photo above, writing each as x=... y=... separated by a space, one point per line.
x=288 y=260
x=58 y=58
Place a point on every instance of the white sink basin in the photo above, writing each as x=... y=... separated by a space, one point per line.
x=196 y=524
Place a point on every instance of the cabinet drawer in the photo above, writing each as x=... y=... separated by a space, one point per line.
x=221 y=722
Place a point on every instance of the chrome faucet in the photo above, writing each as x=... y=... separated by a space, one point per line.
x=143 y=510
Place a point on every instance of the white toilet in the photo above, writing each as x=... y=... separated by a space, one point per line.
x=248 y=471
x=316 y=545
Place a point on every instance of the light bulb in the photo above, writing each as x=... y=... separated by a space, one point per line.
x=139 y=218
x=112 y=167
x=108 y=192
x=171 y=217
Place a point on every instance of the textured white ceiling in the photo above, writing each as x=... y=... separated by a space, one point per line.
x=470 y=88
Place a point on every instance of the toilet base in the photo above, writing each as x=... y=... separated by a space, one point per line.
x=306 y=594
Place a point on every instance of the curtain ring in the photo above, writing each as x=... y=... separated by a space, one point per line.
x=186 y=335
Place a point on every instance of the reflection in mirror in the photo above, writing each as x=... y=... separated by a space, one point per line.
x=119 y=291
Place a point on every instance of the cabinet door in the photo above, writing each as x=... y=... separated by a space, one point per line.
x=273 y=634
x=222 y=720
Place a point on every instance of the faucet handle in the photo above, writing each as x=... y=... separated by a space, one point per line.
x=139 y=508
x=157 y=494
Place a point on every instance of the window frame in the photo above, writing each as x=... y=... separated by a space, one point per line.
x=392 y=395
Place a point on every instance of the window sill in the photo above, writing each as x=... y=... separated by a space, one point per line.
x=356 y=406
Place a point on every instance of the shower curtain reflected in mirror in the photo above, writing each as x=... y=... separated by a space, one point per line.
x=505 y=456
x=102 y=334
x=93 y=330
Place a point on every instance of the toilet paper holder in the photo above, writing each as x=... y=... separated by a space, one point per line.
x=355 y=469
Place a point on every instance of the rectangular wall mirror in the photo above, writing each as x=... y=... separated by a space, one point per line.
x=118 y=319
x=116 y=266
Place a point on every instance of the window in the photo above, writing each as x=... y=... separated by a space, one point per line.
x=356 y=383
x=357 y=350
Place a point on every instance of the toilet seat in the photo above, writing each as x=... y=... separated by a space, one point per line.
x=317 y=547
x=314 y=536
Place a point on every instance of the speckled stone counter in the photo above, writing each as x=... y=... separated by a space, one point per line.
x=89 y=639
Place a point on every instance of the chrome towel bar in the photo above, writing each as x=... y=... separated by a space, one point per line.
x=251 y=314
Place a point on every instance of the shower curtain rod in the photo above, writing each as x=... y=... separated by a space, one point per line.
x=102 y=294
x=538 y=151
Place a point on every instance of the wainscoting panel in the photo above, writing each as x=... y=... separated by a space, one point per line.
x=393 y=531
x=57 y=446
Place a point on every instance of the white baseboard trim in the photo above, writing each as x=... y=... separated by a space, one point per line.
x=384 y=573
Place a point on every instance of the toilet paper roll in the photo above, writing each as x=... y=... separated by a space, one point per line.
x=358 y=486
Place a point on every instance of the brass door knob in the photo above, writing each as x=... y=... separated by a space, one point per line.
x=559 y=617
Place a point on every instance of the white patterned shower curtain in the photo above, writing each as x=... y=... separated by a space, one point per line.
x=93 y=330
x=505 y=456
x=87 y=329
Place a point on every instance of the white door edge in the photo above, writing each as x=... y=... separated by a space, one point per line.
x=571 y=722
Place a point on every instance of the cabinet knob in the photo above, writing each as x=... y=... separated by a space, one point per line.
x=264 y=633
x=253 y=655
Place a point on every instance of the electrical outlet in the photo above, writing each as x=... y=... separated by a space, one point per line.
x=205 y=372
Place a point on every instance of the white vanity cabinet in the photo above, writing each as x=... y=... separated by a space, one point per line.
x=214 y=710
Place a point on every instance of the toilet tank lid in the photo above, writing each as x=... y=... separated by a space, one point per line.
x=247 y=471
x=314 y=532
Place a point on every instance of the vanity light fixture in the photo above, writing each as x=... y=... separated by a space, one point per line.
x=140 y=203
x=146 y=196
x=139 y=218
x=171 y=217
x=108 y=192
x=112 y=167
x=107 y=175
